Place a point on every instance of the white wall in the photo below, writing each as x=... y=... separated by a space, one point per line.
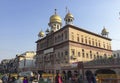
x=27 y=63
x=116 y=53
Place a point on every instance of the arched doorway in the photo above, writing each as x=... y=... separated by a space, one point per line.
x=88 y=73
x=105 y=71
x=69 y=74
x=104 y=74
x=64 y=75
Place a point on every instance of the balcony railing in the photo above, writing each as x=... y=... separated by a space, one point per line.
x=103 y=62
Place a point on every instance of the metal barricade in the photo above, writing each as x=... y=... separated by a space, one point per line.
x=108 y=78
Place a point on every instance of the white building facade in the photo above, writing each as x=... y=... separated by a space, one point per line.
x=27 y=61
x=116 y=53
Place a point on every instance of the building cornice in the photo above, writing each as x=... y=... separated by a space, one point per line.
x=74 y=27
x=80 y=29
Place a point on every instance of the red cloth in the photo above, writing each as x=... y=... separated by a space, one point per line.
x=59 y=79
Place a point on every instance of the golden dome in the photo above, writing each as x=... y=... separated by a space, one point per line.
x=41 y=34
x=69 y=15
x=55 y=18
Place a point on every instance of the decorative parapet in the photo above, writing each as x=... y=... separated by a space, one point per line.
x=103 y=62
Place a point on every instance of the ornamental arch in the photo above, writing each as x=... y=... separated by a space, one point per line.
x=105 y=71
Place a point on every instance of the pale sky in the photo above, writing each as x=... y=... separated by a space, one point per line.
x=21 y=21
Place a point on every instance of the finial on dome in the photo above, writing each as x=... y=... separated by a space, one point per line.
x=69 y=17
x=67 y=10
x=55 y=11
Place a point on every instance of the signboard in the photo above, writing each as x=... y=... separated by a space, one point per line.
x=73 y=65
x=27 y=73
x=48 y=50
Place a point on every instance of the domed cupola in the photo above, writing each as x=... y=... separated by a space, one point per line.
x=104 y=32
x=55 y=22
x=69 y=18
x=47 y=31
x=55 y=18
x=41 y=34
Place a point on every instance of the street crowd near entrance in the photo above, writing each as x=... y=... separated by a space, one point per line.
x=58 y=78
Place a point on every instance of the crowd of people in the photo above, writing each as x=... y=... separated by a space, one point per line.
x=75 y=78
x=12 y=79
x=59 y=78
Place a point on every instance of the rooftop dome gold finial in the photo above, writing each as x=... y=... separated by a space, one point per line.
x=55 y=11
x=41 y=34
x=104 y=32
x=55 y=18
x=69 y=17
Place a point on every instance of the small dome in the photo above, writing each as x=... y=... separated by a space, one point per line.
x=47 y=30
x=69 y=18
x=69 y=15
x=41 y=34
x=104 y=31
x=55 y=18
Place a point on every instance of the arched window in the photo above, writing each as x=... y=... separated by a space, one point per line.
x=105 y=55
x=87 y=55
x=94 y=56
x=86 y=40
x=82 y=40
x=99 y=43
x=58 y=26
x=89 y=41
x=90 y=54
x=72 y=35
x=103 y=44
x=68 y=20
x=73 y=52
x=78 y=54
x=114 y=55
x=96 y=42
x=93 y=42
x=78 y=39
x=83 y=54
